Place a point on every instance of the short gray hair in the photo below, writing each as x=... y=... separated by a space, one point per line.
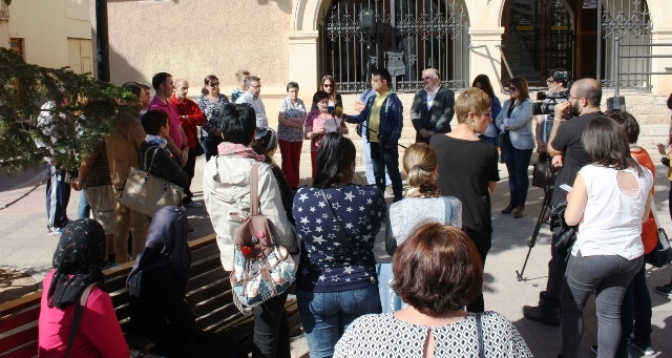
x=249 y=80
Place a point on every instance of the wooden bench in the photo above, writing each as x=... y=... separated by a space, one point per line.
x=208 y=292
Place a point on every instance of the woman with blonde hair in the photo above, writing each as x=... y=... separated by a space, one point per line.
x=422 y=204
x=471 y=181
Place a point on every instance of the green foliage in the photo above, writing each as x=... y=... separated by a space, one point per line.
x=85 y=110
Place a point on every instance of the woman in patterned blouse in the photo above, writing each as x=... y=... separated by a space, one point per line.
x=291 y=117
x=436 y=272
x=337 y=222
x=211 y=103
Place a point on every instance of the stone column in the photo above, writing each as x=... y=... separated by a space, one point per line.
x=485 y=57
x=661 y=84
x=303 y=61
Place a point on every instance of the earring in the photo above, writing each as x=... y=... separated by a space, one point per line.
x=437 y=176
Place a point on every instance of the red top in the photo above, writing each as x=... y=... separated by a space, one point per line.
x=195 y=117
x=173 y=117
x=99 y=333
x=649 y=229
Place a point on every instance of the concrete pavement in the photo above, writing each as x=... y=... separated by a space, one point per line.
x=26 y=246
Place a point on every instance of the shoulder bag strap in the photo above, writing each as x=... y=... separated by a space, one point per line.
x=479 y=327
x=347 y=237
x=79 y=310
x=152 y=162
x=254 y=185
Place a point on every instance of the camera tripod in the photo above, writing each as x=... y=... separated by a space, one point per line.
x=548 y=189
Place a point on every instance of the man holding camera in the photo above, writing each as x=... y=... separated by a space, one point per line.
x=568 y=153
x=557 y=82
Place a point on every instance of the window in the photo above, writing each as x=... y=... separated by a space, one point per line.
x=16 y=45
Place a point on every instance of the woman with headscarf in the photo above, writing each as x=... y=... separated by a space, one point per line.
x=157 y=290
x=77 y=268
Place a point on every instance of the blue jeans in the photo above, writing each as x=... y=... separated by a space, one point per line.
x=608 y=276
x=368 y=165
x=636 y=307
x=83 y=209
x=386 y=159
x=517 y=161
x=326 y=315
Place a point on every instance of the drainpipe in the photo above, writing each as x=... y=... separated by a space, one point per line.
x=102 y=41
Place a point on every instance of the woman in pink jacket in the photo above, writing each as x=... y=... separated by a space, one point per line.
x=77 y=262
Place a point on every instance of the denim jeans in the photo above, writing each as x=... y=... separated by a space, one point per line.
x=368 y=164
x=608 y=276
x=386 y=159
x=517 y=161
x=83 y=209
x=636 y=307
x=326 y=315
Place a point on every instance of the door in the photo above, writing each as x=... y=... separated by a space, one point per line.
x=80 y=55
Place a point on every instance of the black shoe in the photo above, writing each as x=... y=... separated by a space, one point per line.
x=189 y=231
x=509 y=209
x=664 y=290
x=542 y=315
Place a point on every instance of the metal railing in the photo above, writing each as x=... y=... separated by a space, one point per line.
x=635 y=76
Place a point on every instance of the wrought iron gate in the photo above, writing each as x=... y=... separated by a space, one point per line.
x=629 y=21
x=407 y=36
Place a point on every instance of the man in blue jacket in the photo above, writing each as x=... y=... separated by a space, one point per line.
x=383 y=120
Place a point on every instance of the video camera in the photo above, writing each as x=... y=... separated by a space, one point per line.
x=547 y=101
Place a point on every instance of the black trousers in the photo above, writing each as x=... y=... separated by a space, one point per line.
x=190 y=168
x=271 y=329
x=483 y=242
x=550 y=298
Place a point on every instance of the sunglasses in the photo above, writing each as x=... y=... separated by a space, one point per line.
x=513 y=89
x=214 y=85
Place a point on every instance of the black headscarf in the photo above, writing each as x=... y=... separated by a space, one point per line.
x=166 y=248
x=77 y=260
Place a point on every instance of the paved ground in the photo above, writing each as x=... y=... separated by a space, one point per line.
x=25 y=246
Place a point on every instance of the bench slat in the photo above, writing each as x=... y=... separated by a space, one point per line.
x=203 y=308
x=204 y=265
x=196 y=283
x=205 y=252
x=29 y=350
x=17 y=320
x=19 y=339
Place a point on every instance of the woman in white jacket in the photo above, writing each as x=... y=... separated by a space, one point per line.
x=226 y=189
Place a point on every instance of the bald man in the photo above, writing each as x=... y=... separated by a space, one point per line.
x=568 y=154
x=190 y=117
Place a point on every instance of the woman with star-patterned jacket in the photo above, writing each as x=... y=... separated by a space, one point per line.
x=337 y=222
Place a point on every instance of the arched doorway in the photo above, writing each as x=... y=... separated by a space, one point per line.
x=404 y=36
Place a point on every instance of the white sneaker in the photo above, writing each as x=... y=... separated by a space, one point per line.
x=193 y=205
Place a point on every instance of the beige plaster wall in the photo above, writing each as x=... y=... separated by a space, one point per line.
x=192 y=39
x=45 y=27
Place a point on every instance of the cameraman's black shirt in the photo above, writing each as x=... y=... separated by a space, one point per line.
x=568 y=141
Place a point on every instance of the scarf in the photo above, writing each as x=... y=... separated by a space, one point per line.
x=77 y=260
x=156 y=140
x=166 y=248
x=238 y=151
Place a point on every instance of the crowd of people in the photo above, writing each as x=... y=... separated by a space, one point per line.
x=439 y=231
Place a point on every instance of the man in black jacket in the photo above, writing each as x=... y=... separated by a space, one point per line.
x=432 y=108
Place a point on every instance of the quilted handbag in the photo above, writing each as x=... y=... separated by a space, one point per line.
x=147 y=193
x=261 y=269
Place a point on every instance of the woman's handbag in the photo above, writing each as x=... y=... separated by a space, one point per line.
x=147 y=193
x=261 y=269
x=662 y=254
x=543 y=175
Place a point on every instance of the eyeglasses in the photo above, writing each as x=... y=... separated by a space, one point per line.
x=214 y=84
x=512 y=89
x=327 y=85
